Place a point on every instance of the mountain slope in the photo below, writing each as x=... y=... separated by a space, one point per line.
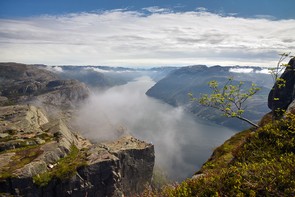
x=174 y=89
x=251 y=163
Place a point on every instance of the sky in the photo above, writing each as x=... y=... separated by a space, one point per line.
x=137 y=33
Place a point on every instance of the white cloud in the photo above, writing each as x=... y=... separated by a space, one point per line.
x=54 y=69
x=97 y=69
x=156 y=9
x=264 y=71
x=241 y=70
x=130 y=38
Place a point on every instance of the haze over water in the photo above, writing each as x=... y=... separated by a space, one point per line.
x=182 y=144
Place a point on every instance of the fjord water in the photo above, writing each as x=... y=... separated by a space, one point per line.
x=182 y=144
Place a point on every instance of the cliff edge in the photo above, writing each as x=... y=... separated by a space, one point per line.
x=40 y=155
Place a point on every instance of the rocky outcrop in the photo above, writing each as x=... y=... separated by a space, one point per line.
x=24 y=130
x=121 y=167
x=291 y=107
x=282 y=94
x=139 y=157
x=41 y=156
x=32 y=148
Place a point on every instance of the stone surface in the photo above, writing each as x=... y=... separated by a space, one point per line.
x=138 y=157
x=280 y=97
x=291 y=108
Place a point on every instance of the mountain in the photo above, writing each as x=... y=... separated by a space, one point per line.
x=103 y=77
x=22 y=84
x=99 y=77
x=175 y=87
x=42 y=154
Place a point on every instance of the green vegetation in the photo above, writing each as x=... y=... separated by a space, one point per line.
x=22 y=157
x=7 y=138
x=260 y=163
x=159 y=178
x=65 y=168
x=229 y=99
x=45 y=136
x=276 y=71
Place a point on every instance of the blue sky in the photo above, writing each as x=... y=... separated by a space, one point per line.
x=245 y=8
x=146 y=32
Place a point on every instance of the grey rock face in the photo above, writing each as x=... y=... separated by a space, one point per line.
x=137 y=158
x=291 y=108
x=281 y=96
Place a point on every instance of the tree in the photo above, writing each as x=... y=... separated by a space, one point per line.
x=229 y=99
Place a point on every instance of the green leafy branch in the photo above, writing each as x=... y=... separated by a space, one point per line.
x=276 y=71
x=229 y=99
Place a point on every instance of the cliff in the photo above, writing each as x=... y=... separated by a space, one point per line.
x=40 y=155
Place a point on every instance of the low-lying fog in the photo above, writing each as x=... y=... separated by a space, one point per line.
x=182 y=144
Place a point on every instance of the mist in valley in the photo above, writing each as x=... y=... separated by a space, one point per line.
x=182 y=144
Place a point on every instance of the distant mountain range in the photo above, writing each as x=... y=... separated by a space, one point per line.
x=174 y=84
x=174 y=88
x=103 y=77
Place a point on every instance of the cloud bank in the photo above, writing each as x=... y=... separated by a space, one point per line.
x=152 y=36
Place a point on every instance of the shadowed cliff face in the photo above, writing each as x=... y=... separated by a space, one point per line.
x=283 y=92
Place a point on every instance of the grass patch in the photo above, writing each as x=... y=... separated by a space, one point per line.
x=223 y=154
x=7 y=138
x=22 y=157
x=65 y=169
x=45 y=136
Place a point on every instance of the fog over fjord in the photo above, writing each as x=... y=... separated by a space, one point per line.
x=182 y=144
